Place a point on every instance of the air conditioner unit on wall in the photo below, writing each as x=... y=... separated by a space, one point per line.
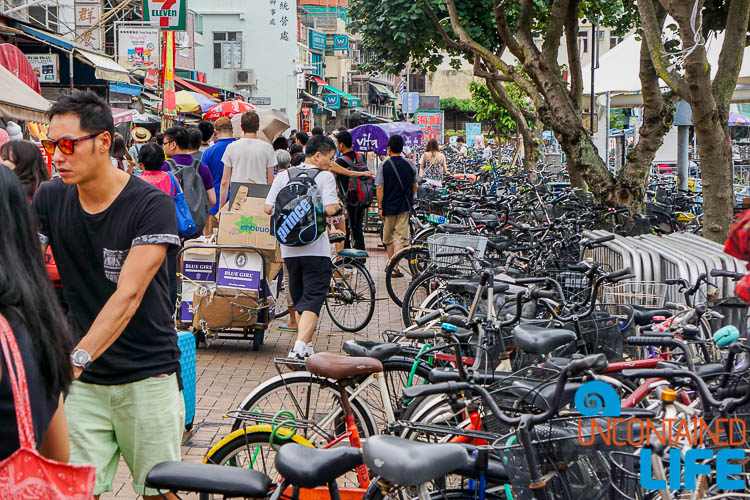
x=245 y=78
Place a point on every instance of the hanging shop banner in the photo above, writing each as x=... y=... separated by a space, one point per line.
x=167 y=14
x=473 y=130
x=138 y=47
x=170 y=105
x=333 y=101
x=340 y=42
x=317 y=40
x=152 y=79
x=431 y=123
x=87 y=14
x=46 y=67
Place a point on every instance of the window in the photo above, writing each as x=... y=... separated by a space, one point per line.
x=227 y=49
x=198 y=23
x=44 y=16
x=329 y=45
x=583 y=41
x=416 y=83
x=317 y=63
x=614 y=40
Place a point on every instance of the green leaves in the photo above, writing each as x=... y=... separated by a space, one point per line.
x=487 y=109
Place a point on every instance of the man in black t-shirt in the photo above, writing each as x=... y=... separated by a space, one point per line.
x=109 y=233
x=356 y=215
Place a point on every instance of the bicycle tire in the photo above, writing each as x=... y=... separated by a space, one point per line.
x=407 y=260
x=375 y=492
x=347 y=295
x=260 y=398
x=422 y=283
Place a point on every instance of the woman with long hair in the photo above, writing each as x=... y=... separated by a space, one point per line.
x=121 y=157
x=28 y=304
x=433 y=166
x=25 y=159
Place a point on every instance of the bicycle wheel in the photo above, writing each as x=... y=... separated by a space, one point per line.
x=422 y=295
x=309 y=398
x=282 y=299
x=351 y=300
x=375 y=492
x=410 y=262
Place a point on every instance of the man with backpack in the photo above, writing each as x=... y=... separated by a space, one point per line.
x=195 y=177
x=299 y=200
x=356 y=190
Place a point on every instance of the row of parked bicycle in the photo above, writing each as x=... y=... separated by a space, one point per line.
x=524 y=370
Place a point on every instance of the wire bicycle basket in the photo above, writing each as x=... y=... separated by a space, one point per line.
x=455 y=243
x=636 y=293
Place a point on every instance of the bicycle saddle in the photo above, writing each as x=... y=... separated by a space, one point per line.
x=540 y=340
x=451 y=228
x=409 y=463
x=338 y=367
x=353 y=254
x=369 y=349
x=207 y=478
x=644 y=316
x=312 y=467
x=470 y=287
x=336 y=238
x=462 y=212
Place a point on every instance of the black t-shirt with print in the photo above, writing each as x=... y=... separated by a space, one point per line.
x=342 y=181
x=90 y=250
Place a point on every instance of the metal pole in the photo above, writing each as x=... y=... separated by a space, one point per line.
x=593 y=93
x=683 y=167
x=606 y=133
x=70 y=70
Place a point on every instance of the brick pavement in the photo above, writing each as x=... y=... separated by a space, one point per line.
x=229 y=369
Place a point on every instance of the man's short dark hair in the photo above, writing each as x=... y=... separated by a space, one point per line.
x=302 y=137
x=195 y=138
x=179 y=135
x=460 y=139
x=280 y=143
x=207 y=130
x=317 y=131
x=152 y=156
x=345 y=138
x=250 y=122
x=92 y=111
x=297 y=159
x=159 y=138
x=296 y=148
x=396 y=143
x=319 y=143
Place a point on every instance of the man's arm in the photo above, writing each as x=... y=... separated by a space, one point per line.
x=330 y=209
x=226 y=179
x=414 y=187
x=269 y=176
x=211 y=193
x=338 y=169
x=139 y=268
x=379 y=196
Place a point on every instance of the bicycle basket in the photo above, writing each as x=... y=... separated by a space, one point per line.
x=636 y=293
x=601 y=333
x=455 y=243
x=569 y=470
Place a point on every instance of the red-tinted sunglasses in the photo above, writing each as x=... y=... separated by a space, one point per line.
x=67 y=146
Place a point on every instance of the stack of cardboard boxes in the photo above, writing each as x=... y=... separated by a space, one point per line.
x=222 y=288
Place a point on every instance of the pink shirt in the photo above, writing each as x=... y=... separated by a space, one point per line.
x=160 y=179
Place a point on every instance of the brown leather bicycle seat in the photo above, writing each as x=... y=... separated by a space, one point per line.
x=338 y=367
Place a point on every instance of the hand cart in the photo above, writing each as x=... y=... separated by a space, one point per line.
x=256 y=317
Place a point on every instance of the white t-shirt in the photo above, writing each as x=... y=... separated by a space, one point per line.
x=249 y=159
x=487 y=153
x=463 y=150
x=327 y=184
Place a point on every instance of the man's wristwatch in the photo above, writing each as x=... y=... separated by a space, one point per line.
x=80 y=358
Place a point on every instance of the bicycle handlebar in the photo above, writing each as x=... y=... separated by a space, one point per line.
x=664 y=342
x=721 y=273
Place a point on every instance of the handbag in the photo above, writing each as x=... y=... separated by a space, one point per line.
x=26 y=473
x=185 y=224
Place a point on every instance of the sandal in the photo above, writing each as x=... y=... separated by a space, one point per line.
x=285 y=328
x=397 y=274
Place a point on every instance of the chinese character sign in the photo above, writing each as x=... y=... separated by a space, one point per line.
x=431 y=123
x=138 y=47
x=167 y=14
x=282 y=16
x=87 y=14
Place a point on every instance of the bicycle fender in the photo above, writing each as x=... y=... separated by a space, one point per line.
x=284 y=432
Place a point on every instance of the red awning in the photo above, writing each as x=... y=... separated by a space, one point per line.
x=319 y=80
x=194 y=88
x=12 y=59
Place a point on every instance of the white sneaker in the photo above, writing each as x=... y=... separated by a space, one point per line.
x=295 y=355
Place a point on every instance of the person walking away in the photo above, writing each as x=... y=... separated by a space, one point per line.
x=121 y=157
x=280 y=143
x=140 y=137
x=207 y=133
x=247 y=159
x=463 y=149
x=396 y=183
x=194 y=176
x=38 y=325
x=110 y=233
x=432 y=166
x=301 y=138
x=308 y=265
x=317 y=131
x=358 y=203
x=194 y=139
x=212 y=159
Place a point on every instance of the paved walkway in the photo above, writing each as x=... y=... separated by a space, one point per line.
x=229 y=370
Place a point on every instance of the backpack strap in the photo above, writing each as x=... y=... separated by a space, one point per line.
x=295 y=172
x=172 y=164
x=348 y=161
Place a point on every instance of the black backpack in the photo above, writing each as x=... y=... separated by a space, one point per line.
x=298 y=217
x=195 y=192
x=359 y=189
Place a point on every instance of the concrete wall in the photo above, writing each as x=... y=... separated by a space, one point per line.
x=273 y=59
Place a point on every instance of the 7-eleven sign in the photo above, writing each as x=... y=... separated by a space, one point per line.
x=167 y=14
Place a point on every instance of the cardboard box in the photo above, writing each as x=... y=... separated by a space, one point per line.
x=246 y=224
x=189 y=290
x=239 y=270
x=224 y=311
x=199 y=264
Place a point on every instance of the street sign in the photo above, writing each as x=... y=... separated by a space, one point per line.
x=340 y=42
x=167 y=14
x=259 y=101
x=473 y=130
x=409 y=102
x=317 y=40
x=46 y=67
x=333 y=101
